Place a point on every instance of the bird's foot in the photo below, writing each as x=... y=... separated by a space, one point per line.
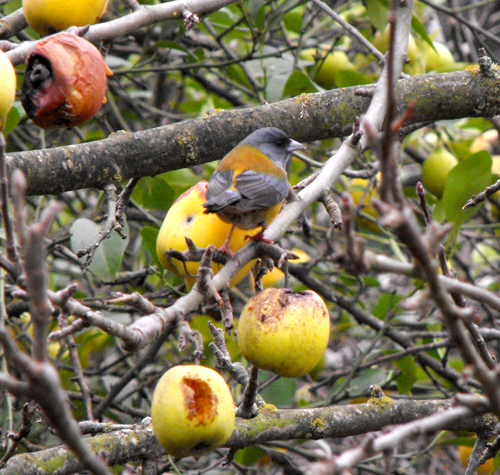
x=259 y=237
x=225 y=249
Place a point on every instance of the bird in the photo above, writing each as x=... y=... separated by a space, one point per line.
x=251 y=182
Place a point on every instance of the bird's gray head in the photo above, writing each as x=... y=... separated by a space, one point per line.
x=273 y=143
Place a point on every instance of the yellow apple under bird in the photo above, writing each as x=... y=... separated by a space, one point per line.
x=251 y=182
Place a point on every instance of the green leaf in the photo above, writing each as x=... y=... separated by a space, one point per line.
x=281 y=392
x=408 y=376
x=149 y=236
x=13 y=118
x=154 y=193
x=420 y=29
x=108 y=256
x=275 y=71
x=256 y=12
x=180 y=180
x=249 y=456
x=387 y=303
x=298 y=83
x=467 y=178
x=378 y=11
x=294 y=17
x=348 y=77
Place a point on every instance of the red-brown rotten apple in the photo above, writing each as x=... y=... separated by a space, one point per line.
x=65 y=82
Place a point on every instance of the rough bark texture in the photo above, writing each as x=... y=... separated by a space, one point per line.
x=270 y=425
x=306 y=118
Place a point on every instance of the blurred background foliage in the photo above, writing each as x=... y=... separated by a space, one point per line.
x=241 y=56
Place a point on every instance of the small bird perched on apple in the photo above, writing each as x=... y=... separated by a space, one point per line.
x=251 y=182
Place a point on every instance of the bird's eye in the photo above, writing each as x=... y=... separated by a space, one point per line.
x=280 y=142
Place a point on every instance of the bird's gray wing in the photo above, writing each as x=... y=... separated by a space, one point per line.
x=219 y=193
x=259 y=190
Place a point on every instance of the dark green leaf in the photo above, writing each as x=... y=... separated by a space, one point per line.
x=149 y=236
x=281 y=392
x=298 y=83
x=378 y=11
x=467 y=178
x=408 y=376
x=249 y=456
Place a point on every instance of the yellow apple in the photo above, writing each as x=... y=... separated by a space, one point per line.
x=486 y=141
x=439 y=60
x=357 y=189
x=283 y=331
x=185 y=218
x=7 y=88
x=495 y=169
x=330 y=65
x=273 y=278
x=464 y=454
x=435 y=170
x=49 y=16
x=192 y=411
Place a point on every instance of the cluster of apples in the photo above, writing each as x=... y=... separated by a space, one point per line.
x=332 y=64
x=66 y=77
x=279 y=330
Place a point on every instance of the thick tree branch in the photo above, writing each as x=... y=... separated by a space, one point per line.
x=306 y=118
x=341 y=421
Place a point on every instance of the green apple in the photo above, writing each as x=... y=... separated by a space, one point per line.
x=283 y=331
x=435 y=170
x=7 y=88
x=330 y=65
x=192 y=411
x=415 y=66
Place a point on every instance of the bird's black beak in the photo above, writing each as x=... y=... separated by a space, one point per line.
x=293 y=145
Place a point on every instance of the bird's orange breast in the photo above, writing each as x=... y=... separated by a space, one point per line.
x=246 y=157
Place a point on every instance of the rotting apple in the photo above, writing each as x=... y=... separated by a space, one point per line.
x=65 y=82
x=283 y=331
x=192 y=411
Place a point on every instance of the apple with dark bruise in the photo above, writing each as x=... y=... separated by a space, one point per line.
x=65 y=82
